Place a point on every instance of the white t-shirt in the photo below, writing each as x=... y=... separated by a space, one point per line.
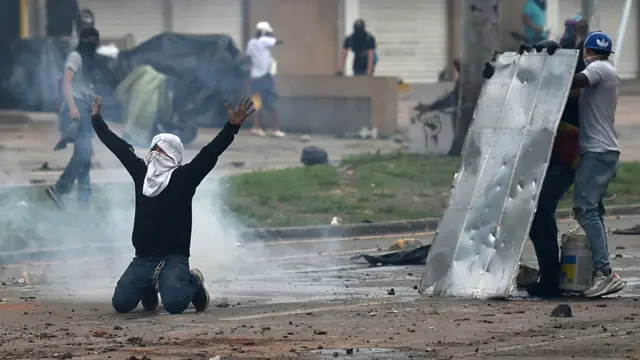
x=259 y=50
x=598 y=108
x=81 y=86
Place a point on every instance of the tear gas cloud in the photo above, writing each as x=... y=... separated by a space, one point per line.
x=95 y=245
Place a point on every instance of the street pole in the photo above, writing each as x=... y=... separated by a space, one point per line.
x=588 y=9
x=480 y=38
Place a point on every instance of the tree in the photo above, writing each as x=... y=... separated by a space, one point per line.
x=480 y=38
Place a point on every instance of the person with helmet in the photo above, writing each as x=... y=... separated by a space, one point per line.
x=597 y=86
x=263 y=86
x=363 y=45
x=558 y=179
x=75 y=119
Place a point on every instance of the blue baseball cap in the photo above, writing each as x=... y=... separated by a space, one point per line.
x=597 y=40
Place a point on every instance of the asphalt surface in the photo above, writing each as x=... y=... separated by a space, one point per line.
x=308 y=300
x=296 y=271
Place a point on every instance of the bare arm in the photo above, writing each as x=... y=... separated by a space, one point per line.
x=580 y=81
x=527 y=21
x=343 y=59
x=370 y=58
x=66 y=88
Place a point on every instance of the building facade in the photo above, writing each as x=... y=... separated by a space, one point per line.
x=416 y=38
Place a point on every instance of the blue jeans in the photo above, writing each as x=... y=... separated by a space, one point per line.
x=544 y=228
x=595 y=172
x=79 y=166
x=145 y=277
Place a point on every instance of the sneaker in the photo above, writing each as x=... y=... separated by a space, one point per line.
x=52 y=193
x=544 y=290
x=151 y=303
x=276 y=133
x=201 y=299
x=619 y=287
x=604 y=285
x=258 y=132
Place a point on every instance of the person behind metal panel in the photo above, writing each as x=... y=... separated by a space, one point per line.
x=534 y=18
x=597 y=86
x=164 y=189
x=75 y=115
x=263 y=86
x=61 y=17
x=363 y=46
x=559 y=177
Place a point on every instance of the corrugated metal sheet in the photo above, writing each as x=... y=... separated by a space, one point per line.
x=479 y=241
x=411 y=37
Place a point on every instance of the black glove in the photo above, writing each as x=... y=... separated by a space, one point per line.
x=550 y=45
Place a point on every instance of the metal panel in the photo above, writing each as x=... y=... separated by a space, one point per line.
x=480 y=238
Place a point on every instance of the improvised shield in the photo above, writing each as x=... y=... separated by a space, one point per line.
x=479 y=241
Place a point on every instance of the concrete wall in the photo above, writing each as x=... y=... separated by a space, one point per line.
x=336 y=105
x=309 y=30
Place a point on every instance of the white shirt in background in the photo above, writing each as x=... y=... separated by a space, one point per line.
x=259 y=50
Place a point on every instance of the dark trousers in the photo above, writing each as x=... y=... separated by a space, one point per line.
x=544 y=228
x=145 y=277
x=79 y=166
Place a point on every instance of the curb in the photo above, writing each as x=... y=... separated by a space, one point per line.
x=271 y=235
x=274 y=235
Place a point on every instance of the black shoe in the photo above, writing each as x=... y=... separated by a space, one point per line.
x=52 y=193
x=544 y=290
x=151 y=303
x=201 y=299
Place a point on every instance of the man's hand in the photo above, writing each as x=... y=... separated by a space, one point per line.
x=238 y=115
x=96 y=107
x=74 y=113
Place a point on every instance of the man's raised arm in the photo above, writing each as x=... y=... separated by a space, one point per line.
x=120 y=148
x=207 y=158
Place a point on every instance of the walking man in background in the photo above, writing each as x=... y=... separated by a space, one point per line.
x=534 y=18
x=363 y=45
x=75 y=116
x=599 y=154
x=263 y=87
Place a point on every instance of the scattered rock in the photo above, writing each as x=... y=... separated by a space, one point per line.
x=319 y=332
x=66 y=355
x=237 y=163
x=117 y=327
x=313 y=155
x=305 y=138
x=562 y=311
x=391 y=291
x=99 y=333
x=223 y=304
x=133 y=357
x=135 y=340
x=349 y=351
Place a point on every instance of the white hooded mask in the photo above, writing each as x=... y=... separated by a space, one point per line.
x=160 y=166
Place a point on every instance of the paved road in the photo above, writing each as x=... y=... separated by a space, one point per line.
x=283 y=298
